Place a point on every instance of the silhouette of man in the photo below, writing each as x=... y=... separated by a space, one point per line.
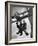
x=21 y=27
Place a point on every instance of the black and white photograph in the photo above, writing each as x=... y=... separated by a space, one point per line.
x=20 y=22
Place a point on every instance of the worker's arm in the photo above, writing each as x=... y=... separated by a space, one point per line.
x=18 y=26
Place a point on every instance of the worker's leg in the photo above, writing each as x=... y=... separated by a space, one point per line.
x=21 y=33
x=26 y=32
